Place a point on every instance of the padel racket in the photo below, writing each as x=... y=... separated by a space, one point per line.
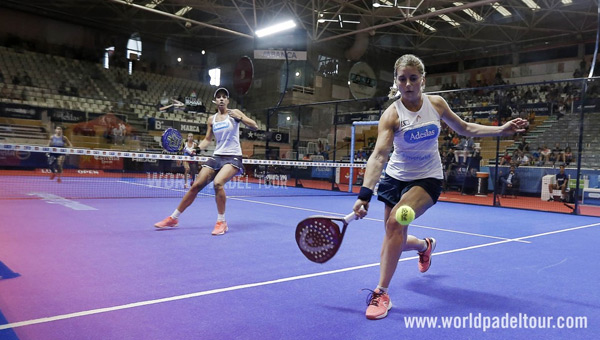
x=171 y=140
x=319 y=237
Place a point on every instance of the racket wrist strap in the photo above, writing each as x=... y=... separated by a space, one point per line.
x=365 y=194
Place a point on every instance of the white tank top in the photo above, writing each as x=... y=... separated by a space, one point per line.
x=188 y=149
x=227 y=134
x=416 y=154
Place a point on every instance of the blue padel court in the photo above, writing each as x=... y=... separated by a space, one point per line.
x=98 y=269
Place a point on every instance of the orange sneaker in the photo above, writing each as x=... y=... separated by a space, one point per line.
x=220 y=228
x=425 y=256
x=379 y=304
x=52 y=176
x=167 y=222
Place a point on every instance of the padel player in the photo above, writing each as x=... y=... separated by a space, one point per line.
x=190 y=167
x=410 y=128
x=225 y=163
x=56 y=160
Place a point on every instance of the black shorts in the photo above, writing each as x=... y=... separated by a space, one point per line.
x=216 y=162
x=391 y=190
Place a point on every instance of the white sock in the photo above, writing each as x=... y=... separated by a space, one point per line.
x=176 y=214
x=382 y=289
x=220 y=217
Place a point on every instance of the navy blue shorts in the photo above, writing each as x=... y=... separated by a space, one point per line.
x=390 y=190
x=216 y=162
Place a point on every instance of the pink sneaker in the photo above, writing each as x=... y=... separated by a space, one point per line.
x=220 y=228
x=379 y=305
x=425 y=256
x=167 y=222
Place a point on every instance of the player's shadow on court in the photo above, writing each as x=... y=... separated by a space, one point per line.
x=432 y=286
x=6 y=272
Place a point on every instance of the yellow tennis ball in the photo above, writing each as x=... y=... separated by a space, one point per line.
x=405 y=215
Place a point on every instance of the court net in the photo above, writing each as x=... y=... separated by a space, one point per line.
x=25 y=172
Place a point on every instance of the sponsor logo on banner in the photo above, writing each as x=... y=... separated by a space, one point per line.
x=279 y=55
x=190 y=128
x=69 y=116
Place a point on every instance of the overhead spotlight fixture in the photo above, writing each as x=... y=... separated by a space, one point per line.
x=501 y=9
x=470 y=12
x=566 y=2
x=286 y=25
x=531 y=4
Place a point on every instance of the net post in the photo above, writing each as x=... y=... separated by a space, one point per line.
x=352 y=140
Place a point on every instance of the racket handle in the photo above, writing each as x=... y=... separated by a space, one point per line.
x=350 y=217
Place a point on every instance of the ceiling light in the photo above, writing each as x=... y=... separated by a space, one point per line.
x=470 y=12
x=339 y=20
x=182 y=11
x=531 y=4
x=154 y=3
x=449 y=20
x=566 y=2
x=388 y=3
x=275 y=28
x=424 y=24
x=502 y=10
x=446 y=18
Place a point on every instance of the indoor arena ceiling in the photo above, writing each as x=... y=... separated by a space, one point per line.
x=430 y=28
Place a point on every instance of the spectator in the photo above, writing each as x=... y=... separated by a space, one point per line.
x=510 y=182
x=526 y=159
x=498 y=78
x=561 y=182
x=558 y=152
x=568 y=156
x=531 y=117
x=505 y=160
x=464 y=149
x=552 y=158
x=535 y=157
x=545 y=152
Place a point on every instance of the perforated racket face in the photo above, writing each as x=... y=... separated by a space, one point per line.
x=172 y=140
x=318 y=238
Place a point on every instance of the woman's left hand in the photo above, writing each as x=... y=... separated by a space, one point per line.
x=516 y=125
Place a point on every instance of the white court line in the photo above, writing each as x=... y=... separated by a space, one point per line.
x=472 y=234
x=380 y=220
x=333 y=213
x=263 y=283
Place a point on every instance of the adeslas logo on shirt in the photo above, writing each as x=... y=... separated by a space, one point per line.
x=426 y=132
x=220 y=125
